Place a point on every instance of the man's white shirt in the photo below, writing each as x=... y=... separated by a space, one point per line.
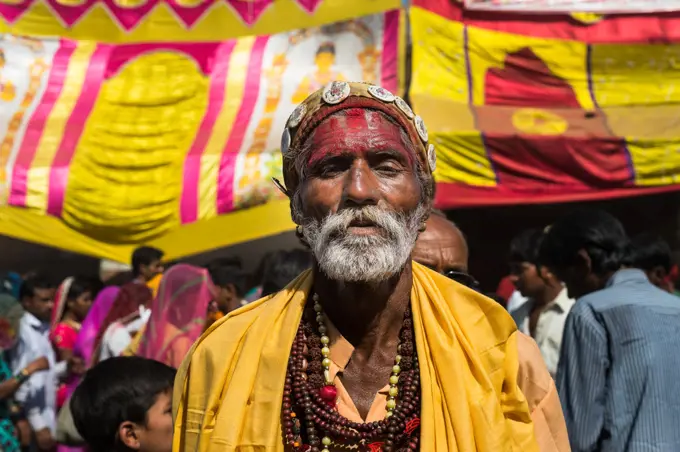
x=38 y=395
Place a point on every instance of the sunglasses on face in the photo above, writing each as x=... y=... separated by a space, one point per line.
x=462 y=277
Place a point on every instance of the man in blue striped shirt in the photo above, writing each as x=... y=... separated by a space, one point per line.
x=618 y=372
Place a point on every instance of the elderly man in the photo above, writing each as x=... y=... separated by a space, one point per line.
x=443 y=248
x=367 y=351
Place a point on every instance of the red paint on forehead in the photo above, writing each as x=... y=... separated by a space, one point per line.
x=356 y=130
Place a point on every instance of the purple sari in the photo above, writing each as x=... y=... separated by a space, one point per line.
x=85 y=342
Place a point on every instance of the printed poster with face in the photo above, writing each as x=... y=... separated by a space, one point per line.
x=296 y=64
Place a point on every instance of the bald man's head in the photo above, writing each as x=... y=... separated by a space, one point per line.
x=442 y=246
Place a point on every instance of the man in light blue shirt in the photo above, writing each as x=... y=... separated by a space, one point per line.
x=617 y=375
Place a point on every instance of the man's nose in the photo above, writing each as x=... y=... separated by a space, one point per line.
x=361 y=187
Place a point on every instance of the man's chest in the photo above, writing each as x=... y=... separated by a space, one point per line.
x=365 y=387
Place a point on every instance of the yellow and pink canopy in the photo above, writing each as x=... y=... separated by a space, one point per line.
x=172 y=140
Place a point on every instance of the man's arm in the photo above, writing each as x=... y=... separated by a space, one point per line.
x=31 y=394
x=581 y=378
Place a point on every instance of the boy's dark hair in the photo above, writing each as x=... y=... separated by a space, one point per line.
x=144 y=255
x=233 y=261
x=598 y=233
x=224 y=273
x=114 y=391
x=650 y=251
x=282 y=268
x=29 y=286
x=526 y=245
x=257 y=275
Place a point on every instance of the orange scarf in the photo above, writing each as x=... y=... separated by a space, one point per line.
x=229 y=389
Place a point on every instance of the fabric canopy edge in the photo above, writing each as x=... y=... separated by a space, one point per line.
x=222 y=231
x=454 y=195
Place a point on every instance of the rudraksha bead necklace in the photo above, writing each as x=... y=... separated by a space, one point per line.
x=311 y=422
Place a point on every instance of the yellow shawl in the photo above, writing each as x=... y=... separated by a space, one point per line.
x=229 y=389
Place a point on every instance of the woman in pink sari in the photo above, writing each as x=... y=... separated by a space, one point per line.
x=178 y=314
x=72 y=303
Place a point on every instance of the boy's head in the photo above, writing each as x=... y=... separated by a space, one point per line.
x=584 y=249
x=653 y=255
x=125 y=404
x=525 y=272
x=146 y=262
x=230 y=283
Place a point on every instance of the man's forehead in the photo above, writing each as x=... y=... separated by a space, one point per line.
x=357 y=130
x=44 y=292
x=359 y=119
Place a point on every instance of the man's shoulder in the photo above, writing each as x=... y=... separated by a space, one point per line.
x=618 y=296
x=31 y=326
x=534 y=379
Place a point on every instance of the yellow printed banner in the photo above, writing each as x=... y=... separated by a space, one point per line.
x=527 y=109
x=132 y=143
x=129 y=21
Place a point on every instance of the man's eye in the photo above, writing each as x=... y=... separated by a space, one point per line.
x=388 y=168
x=330 y=171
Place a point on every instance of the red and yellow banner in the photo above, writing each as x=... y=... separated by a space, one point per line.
x=547 y=108
x=155 y=142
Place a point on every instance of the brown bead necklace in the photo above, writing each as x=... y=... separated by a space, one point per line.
x=311 y=422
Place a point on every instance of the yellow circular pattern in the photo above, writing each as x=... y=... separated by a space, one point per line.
x=535 y=121
x=587 y=18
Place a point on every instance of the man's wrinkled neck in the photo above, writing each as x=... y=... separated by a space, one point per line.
x=367 y=314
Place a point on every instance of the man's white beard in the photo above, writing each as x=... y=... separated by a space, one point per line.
x=348 y=257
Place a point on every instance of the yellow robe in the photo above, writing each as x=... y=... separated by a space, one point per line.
x=229 y=389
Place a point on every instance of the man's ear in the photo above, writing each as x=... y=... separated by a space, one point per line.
x=129 y=435
x=231 y=290
x=584 y=264
x=544 y=272
x=657 y=275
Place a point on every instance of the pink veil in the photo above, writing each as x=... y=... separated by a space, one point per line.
x=178 y=314
x=84 y=346
x=60 y=302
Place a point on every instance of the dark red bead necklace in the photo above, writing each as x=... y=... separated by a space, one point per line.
x=311 y=422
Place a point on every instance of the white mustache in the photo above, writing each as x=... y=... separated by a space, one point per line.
x=390 y=222
x=344 y=256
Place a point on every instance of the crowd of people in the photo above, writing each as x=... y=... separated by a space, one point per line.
x=51 y=332
x=375 y=337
